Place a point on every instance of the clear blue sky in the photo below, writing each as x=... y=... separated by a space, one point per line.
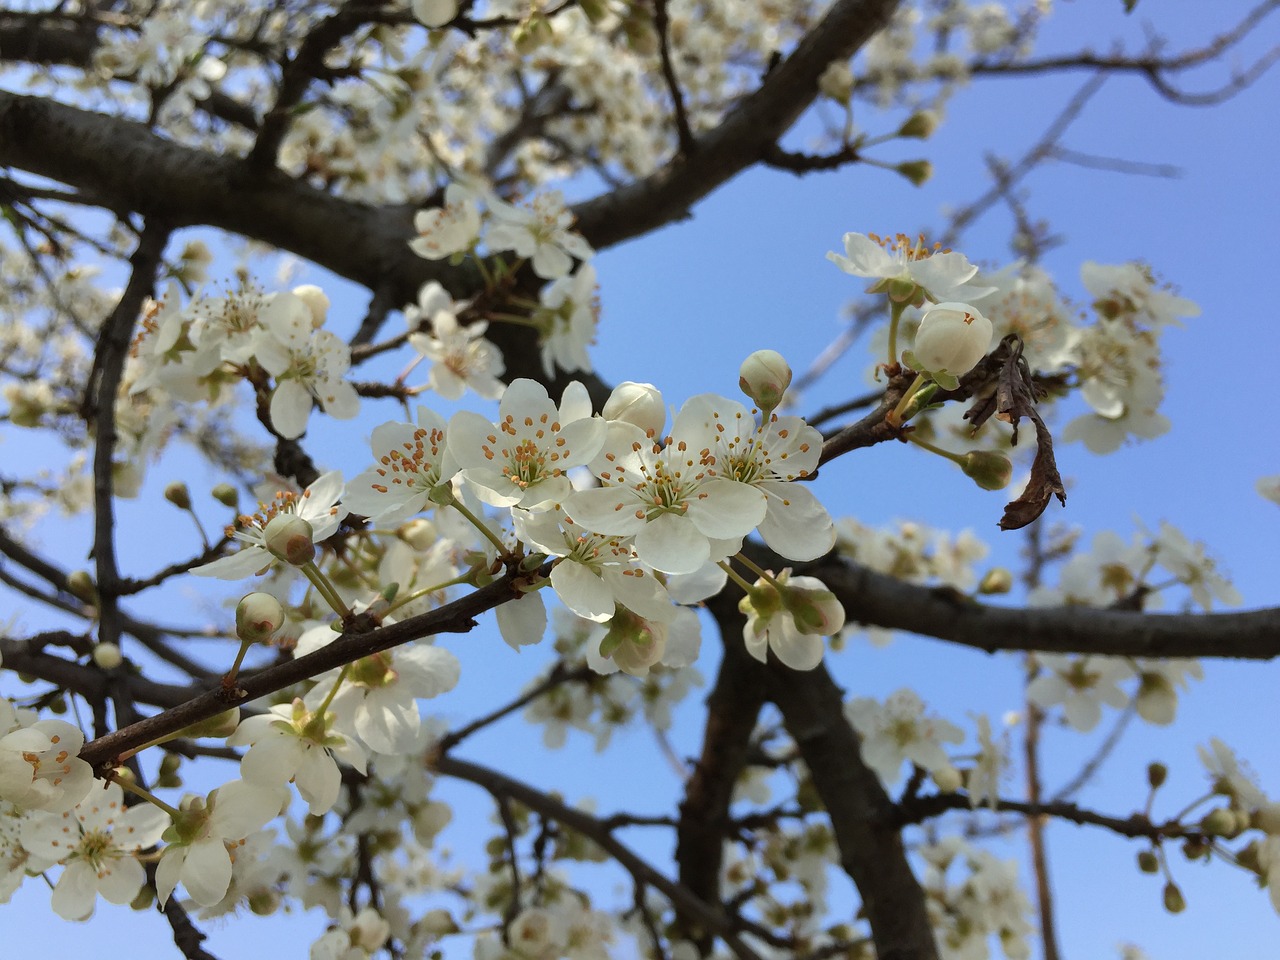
x=681 y=309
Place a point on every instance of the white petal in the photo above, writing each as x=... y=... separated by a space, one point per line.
x=290 y=408
x=522 y=621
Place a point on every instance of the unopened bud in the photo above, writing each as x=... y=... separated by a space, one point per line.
x=816 y=610
x=258 y=617
x=919 y=125
x=836 y=82
x=634 y=643
x=1173 y=899
x=226 y=494
x=1193 y=848
x=1219 y=823
x=764 y=377
x=178 y=494
x=989 y=470
x=107 y=656
x=168 y=773
x=639 y=404
x=996 y=580
x=222 y=725
x=81 y=586
x=947 y=778
x=1157 y=773
x=1148 y=862
x=316 y=300
x=288 y=537
x=952 y=337
x=918 y=172
x=418 y=533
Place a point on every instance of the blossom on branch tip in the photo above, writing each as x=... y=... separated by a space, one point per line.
x=907 y=270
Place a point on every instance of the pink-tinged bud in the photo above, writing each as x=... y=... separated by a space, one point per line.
x=178 y=494
x=316 y=300
x=952 y=338
x=634 y=643
x=990 y=471
x=764 y=377
x=107 y=656
x=639 y=404
x=815 y=609
x=288 y=537
x=258 y=617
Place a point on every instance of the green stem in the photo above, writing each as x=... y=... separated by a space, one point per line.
x=953 y=457
x=895 y=314
x=735 y=576
x=481 y=526
x=230 y=678
x=426 y=591
x=759 y=571
x=334 y=692
x=326 y=589
x=150 y=797
x=918 y=384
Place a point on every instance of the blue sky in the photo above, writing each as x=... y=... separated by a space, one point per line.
x=684 y=306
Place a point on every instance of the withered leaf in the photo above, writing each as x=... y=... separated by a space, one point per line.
x=1014 y=398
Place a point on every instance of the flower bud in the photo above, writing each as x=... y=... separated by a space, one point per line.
x=639 y=404
x=918 y=172
x=996 y=580
x=1173 y=899
x=919 y=125
x=316 y=300
x=81 y=586
x=947 y=778
x=1157 y=773
x=764 y=377
x=952 y=337
x=816 y=610
x=288 y=537
x=989 y=470
x=226 y=494
x=258 y=616
x=1219 y=823
x=634 y=643
x=220 y=726
x=178 y=494
x=418 y=533
x=107 y=656
x=435 y=13
x=836 y=82
x=1148 y=862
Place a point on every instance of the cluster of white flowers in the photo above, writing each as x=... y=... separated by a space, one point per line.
x=987 y=901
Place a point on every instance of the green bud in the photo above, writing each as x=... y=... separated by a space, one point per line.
x=1219 y=823
x=594 y=10
x=1173 y=899
x=178 y=494
x=989 y=470
x=226 y=494
x=917 y=171
x=919 y=125
x=1148 y=862
x=107 y=656
x=994 y=581
x=81 y=586
x=222 y=725
x=1156 y=775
